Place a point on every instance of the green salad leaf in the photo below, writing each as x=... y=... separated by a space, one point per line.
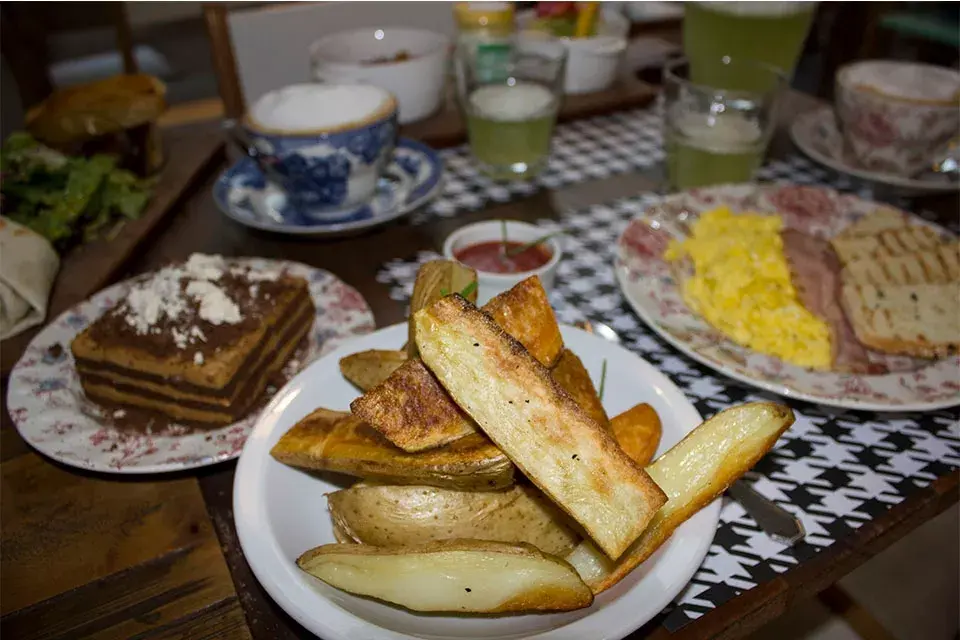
x=66 y=199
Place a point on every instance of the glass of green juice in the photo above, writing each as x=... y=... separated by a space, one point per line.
x=510 y=102
x=770 y=32
x=714 y=134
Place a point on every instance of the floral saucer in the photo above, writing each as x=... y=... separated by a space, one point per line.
x=54 y=416
x=816 y=134
x=650 y=286
x=412 y=178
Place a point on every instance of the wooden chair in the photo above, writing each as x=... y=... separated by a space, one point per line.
x=265 y=47
x=25 y=29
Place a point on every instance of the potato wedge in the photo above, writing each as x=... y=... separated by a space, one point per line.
x=436 y=279
x=570 y=374
x=333 y=441
x=692 y=473
x=396 y=516
x=545 y=433
x=524 y=312
x=367 y=369
x=459 y=576
x=638 y=430
x=414 y=412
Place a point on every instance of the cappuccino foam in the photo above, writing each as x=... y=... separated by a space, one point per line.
x=317 y=106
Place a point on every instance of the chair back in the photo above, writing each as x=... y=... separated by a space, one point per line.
x=263 y=48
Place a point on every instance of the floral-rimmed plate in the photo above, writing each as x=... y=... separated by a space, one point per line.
x=649 y=285
x=52 y=414
x=816 y=134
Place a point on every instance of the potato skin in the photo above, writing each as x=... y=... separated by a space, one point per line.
x=367 y=369
x=386 y=515
x=638 y=431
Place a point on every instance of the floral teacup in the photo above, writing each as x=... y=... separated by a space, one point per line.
x=896 y=117
x=327 y=144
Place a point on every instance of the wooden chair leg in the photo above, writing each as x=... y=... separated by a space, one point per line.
x=224 y=61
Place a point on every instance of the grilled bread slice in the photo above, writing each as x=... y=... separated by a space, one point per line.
x=920 y=320
x=877 y=221
x=891 y=242
x=333 y=441
x=937 y=265
x=414 y=412
x=553 y=441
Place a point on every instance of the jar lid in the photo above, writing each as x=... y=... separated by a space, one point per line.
x=497 y=16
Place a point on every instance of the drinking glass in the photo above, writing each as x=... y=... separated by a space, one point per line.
x=714 y=134
x=768 y=32
x=510 y=102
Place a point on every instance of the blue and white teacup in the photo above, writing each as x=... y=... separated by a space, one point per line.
x=327 y=145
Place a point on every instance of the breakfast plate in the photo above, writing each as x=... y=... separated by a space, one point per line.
x=280 y=512
x=815 y=133
x=52 y=414
x=650 y=285
x=244 y=195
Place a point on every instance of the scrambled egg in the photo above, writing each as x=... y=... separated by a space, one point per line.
x=742 y=286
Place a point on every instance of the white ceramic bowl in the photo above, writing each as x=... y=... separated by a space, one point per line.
x=592 y=63
x=417 y=82
x=491 y=284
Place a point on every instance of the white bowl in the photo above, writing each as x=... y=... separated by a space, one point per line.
x=417 y=82
x=492 y=284
x=592 y=63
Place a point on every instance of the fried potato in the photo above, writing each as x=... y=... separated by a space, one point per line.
x=367 y=369
x=436 y=279
x=512 y=397
x=333 y=441
x=637 y=430
x=414 y=412
x=524 y=312
x=570 y=374
x=391 y=516
x=693 y=473
x=459 y=576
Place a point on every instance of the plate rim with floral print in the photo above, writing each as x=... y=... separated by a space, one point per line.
x=52 y=415
x=649 y=285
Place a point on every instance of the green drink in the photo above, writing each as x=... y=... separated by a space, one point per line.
x=714 y=135
x=509 y=127
x=767 y=32
x=704 y=150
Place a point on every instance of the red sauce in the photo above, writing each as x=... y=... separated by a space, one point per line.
x=494 y=257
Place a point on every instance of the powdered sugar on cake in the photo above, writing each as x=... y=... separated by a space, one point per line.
x=215 y=306
x=204 y=288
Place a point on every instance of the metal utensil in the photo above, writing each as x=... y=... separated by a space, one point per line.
x=773 y=519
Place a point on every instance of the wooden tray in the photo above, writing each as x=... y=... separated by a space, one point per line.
x=191 y=152
x=447 y=129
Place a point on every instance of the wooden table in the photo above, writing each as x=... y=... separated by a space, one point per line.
x=158 y=557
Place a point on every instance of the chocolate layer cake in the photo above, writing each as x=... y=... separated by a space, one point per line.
x=197 y=341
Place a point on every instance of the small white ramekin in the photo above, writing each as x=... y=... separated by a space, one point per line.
x=492 y=284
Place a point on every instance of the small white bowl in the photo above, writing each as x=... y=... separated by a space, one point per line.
x=492 y=284
x=417 y=82
x=592 y=63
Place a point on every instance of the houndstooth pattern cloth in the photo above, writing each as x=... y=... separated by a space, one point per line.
x=834 y=469
x=596 y=148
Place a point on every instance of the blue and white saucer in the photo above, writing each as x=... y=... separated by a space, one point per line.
x=412 y=178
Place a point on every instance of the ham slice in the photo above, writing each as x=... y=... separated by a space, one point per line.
x=816 y=276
